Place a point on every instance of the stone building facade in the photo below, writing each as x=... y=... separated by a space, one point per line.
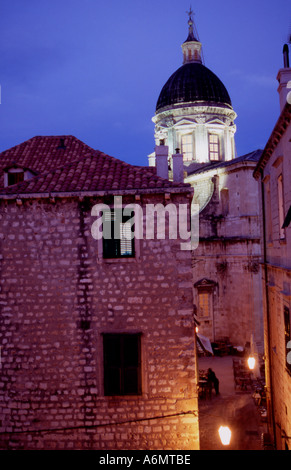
x=97 y=346
x=226 y=263
x=274 y=174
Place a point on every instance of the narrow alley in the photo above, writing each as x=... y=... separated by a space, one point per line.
x=233 y=407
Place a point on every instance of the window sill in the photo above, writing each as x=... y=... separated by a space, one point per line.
x=123 y=397
x=118 y=260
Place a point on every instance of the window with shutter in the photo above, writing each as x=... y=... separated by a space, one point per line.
x=204 y=303
x=118 y=240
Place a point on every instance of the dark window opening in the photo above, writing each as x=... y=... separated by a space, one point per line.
x=287 y=219
x=118 y=231
x=224 y=194
x=281 y=207
x=287 y=338
x=62 y=144
x=122 y=364
x=14 y=178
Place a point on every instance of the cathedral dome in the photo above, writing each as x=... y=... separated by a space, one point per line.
x=193 y=82
x=194 y=113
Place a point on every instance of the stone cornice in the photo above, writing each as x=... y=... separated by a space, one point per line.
x=187 y=189
x=275 y=137
x=230 y=166
x=187 y=109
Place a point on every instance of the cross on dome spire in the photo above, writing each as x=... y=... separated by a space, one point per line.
x=191 y=35
x=192 y=46
x=190 y=12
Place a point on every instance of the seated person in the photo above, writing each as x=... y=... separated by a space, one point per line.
x=213 y=380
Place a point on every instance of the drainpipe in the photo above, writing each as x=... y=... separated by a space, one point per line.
x=267 y=311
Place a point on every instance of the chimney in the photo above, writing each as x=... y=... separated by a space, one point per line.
x=62 y=143
x=284 y=79
x=162 y=160
x=178 y=167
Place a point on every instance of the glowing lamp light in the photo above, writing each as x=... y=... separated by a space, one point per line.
x=251 y=362
x=225 y=435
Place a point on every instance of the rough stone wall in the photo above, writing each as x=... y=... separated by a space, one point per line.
x=57 y=298
x=281 y=376
x=278 y=286
x=236 y=296
x=229 y=254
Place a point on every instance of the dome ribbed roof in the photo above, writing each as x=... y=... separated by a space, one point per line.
x=191 y=83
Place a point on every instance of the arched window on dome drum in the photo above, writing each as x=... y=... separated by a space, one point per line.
x=187 y=147
x=214 y=153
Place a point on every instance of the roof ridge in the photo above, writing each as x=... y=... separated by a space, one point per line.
x=15 y=147
x=203 y=167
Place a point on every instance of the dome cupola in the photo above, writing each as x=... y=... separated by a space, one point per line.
x=193 y=83
x=194 y=112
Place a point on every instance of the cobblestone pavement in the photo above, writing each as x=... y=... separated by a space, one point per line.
x=234 y=407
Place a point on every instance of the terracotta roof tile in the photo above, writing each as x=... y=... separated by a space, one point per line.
x=65 y=164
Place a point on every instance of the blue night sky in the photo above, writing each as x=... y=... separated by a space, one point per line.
x=95 y=68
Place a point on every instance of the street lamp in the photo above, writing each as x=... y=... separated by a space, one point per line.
x=225 y=435
x=251 y=362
